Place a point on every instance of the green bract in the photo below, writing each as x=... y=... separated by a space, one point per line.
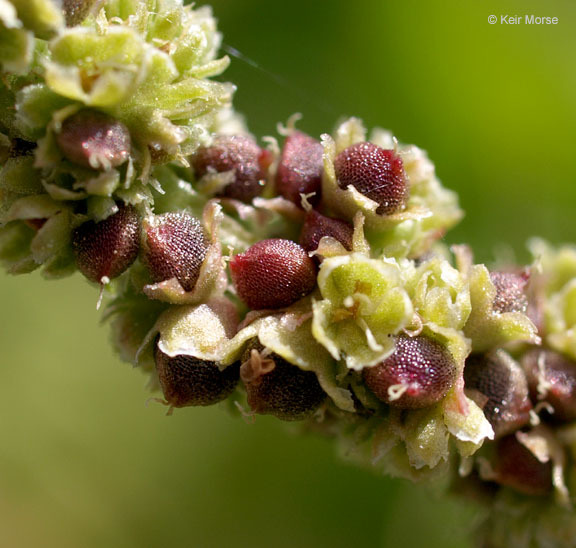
x=441 y=299
x=201 y=331
x=363 y=304
x=48 y=243
x=146 y=64
x=43 y=17
x=440 y=294
x=132 y=316
x=427 y=432
x=416 y=444
x=21 y=21
x=289 y=336
x=488 y=328
x=555 y=287
x=119 y=66
x=16 y=43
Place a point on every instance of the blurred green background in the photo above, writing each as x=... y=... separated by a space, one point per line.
x=85 y=462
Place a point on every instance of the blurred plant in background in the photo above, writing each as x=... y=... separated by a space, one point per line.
x=477 y=113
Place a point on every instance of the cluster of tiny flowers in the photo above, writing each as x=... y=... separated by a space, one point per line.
x=302 y=278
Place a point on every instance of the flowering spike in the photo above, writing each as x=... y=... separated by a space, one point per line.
x=188 y=381
x=276 y=387
x=239 y=155
x=273 y=274
x=108 y=111
x=300 y=168
x=175 y=247
x=95 y=140
x=106 y=249
x=418 y=374
x=375 y=172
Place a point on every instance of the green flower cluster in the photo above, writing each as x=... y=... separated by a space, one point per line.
x=308 y=281
x=141 y=69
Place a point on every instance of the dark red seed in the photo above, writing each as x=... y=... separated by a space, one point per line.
x=518 y=468
x=187 y=381
x=502 y=388
x=75 y=11
x=273 y=274
x=276 y=387
x=510 y=291
x=316 y=226
x=418 y=374
x=375 y=172
x=107 y=248
x=556 y=376
x=175 y=248
x=300 y=168
x=237 y=153
x=94 y=140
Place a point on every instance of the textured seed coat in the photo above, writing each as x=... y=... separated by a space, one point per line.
x=276 y=387
x=504 y=388
x=106 y=249
x=300 y=168
x=316 y=226
x=239 y=154
x=94 y=140
x=510 y=291
x=187 y=381
x=175 y=247
x=418 y=374
x=273 y=274
x=375 y=172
